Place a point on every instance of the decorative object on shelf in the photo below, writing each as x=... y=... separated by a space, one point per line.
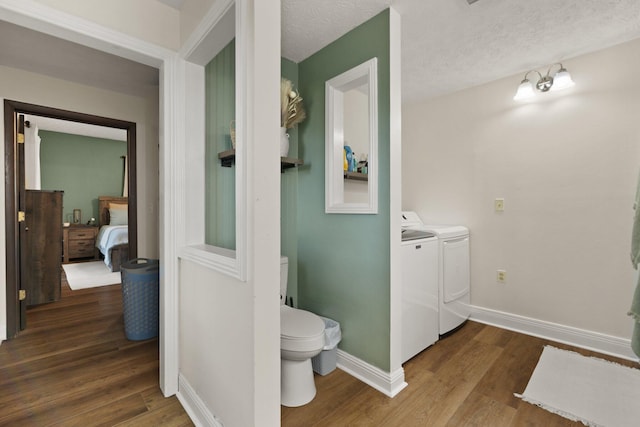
x=348 y=164
x=284 y=142
x=560 y=80
x=77 y=216
x=232 y=133
x=291 y=113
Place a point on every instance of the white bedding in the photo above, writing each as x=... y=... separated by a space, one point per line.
x=110 y=236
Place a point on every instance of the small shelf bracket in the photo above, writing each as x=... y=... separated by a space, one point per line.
x=228 y=158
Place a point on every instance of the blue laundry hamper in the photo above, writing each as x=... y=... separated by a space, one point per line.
x=140 y=298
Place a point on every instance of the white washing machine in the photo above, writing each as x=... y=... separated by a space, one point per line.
x=419 y=252
x=453 y=270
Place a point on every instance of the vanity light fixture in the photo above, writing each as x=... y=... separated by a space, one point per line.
x=560 y=80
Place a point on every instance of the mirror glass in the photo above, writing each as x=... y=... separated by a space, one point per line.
x=351 y=141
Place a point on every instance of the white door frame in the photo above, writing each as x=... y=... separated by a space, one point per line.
x=39 y=17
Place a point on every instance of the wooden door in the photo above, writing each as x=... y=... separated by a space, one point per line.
x=16 y=309
x=20 y=204
x=41 y=253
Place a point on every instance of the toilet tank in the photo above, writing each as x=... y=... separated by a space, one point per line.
x=284 y=276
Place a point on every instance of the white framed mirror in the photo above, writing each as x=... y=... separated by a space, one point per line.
x=351 y=121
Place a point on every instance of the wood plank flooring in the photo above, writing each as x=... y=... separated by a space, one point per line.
x=466 y=379
x=73 y=366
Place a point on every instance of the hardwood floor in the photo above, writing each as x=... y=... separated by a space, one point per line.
x=465 y=379
x=73 y=366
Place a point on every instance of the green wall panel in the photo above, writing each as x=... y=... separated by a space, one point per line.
x=83 y=167
x=343 y=260
x=220 y=182
x=289 y=196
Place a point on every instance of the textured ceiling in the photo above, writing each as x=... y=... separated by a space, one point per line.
x=449 y=45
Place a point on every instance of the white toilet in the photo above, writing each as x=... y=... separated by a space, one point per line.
x=301 y=338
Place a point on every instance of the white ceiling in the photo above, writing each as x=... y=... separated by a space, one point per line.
x=447 y=45
x=39 y=53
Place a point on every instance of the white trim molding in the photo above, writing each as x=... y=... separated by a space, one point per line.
x=395 y=188
x=388 y=383
x=595 y=341
x=194 y=406
x=335 y=88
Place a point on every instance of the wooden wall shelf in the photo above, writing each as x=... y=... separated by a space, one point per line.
x=356 y=176
x=228 y=158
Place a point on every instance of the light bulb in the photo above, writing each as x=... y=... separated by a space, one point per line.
x=562 y=80
x=525 y=91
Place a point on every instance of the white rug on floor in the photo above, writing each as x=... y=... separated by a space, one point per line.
x=84 y=275
x=593 y=391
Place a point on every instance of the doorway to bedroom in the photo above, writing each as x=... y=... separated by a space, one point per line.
x=79 y=232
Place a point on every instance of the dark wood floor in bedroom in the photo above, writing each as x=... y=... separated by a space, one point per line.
x=73 y=366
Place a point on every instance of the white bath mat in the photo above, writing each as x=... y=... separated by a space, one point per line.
x=84 y=275
x=586 y=389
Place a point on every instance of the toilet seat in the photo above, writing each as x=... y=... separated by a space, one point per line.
x=300 y=330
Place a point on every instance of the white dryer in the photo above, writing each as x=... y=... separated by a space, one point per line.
x=454 y=280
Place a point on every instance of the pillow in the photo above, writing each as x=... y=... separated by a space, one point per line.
x=124 y=206
x=118 y=216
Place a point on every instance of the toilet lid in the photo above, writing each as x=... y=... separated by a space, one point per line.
x=296 y=323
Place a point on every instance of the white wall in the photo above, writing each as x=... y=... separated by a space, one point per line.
x=191 y=15
x=356 y=135
x=33 y=88
x=161 y=22
x=566 y=165
x=229 y=323
x=216 y=357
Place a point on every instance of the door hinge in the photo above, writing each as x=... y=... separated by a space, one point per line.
x=20 y=138
x=21 y=216
x=22 y=294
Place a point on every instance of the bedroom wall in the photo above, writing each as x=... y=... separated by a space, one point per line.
x=84 y=168
x=566 y=164
x=39 y=89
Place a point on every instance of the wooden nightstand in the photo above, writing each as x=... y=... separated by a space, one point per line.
x=79 y=241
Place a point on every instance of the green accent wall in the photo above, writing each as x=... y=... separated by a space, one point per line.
x=220 y=182
x=343 y=260
x=289 y=196
x=83 y=167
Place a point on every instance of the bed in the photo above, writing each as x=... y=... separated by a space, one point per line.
x=113 y=238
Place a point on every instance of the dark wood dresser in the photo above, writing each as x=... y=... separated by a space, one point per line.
x=40 y=256
x=79 y=241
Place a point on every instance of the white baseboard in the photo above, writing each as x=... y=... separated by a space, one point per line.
x=388 y=383
x=194 y=406
x=3 y=332
x=595 y=341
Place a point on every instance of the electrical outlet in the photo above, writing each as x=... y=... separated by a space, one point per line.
x=501 y=276
x=499 y=205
